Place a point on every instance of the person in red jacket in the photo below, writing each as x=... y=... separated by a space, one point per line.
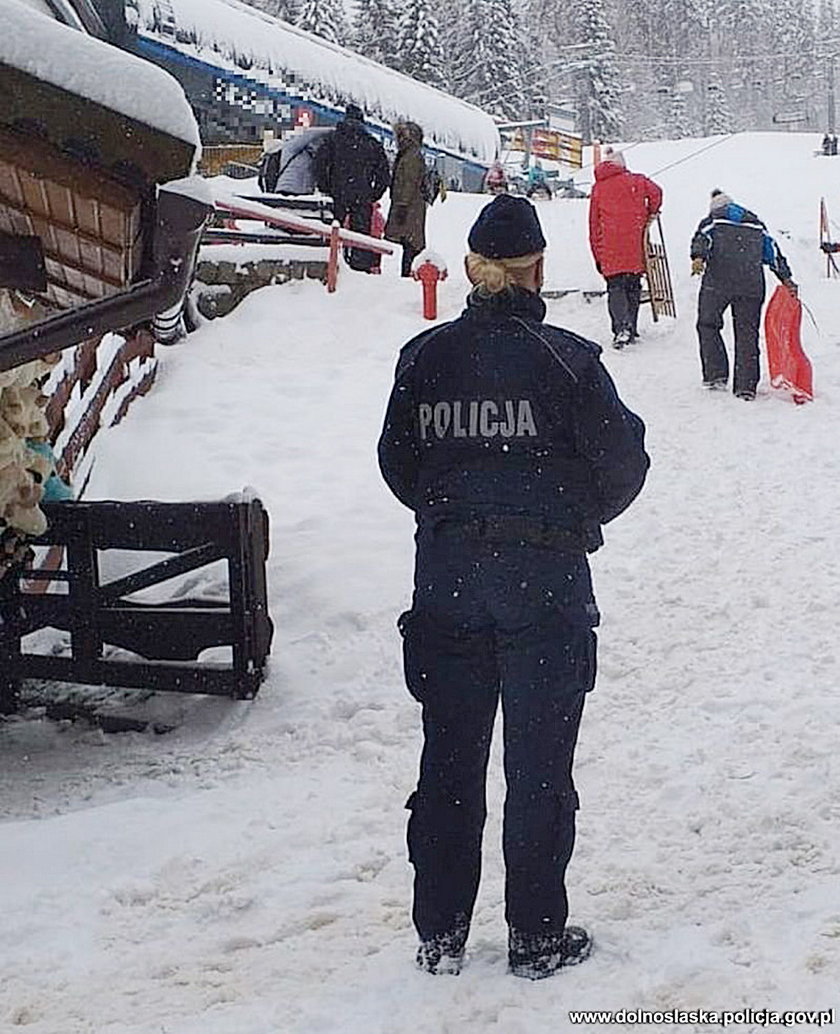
x=620 y=207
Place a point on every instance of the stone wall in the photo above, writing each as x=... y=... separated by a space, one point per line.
x=220 y=285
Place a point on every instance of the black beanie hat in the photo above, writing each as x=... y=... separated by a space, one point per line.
x=506 y=228
x=354 y=111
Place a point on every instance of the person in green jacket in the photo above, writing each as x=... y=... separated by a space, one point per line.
x=406 y=223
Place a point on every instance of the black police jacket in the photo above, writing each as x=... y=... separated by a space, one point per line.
x=496 y=413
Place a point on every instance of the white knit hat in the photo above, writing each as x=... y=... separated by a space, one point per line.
x=616 y=157
x=719 y=200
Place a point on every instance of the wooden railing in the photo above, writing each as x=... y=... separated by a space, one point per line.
x=337 y=236
x=93 y=386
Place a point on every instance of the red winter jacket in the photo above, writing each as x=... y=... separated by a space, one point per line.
x=620 y=207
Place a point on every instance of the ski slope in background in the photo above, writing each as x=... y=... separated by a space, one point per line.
x=246 y=874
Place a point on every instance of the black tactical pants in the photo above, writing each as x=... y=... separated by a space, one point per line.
x=624 y=292
x=746 y=319
x=496 y=622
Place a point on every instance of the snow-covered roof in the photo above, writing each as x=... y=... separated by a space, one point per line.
x=283 y=57
x=36 y=44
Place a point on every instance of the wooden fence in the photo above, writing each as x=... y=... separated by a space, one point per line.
x=91 y=387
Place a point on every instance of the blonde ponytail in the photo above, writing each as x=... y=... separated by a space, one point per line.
x=495 y=275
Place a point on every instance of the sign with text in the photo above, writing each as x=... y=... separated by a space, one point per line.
x=552 y=144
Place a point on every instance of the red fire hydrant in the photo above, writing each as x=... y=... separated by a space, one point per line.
x=429 y=272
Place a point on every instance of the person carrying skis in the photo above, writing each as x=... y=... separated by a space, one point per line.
x=507 y=439
x=621 y=206
x=407 y=215
x=351 y=166
x=729 y=250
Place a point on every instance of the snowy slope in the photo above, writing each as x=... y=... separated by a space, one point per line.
x=247 y=873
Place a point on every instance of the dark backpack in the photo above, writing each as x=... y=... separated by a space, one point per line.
x=432 y=185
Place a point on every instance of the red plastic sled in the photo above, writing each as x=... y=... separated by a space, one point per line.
x=790 y=368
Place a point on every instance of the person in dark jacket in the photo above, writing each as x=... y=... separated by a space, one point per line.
x=351 y=166
x=621 y=205
x=406 y=223
x=507 y=439
x=729 y=249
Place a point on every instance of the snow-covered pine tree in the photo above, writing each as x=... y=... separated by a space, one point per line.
x=718 y=113
x=507 y=43
x=678 y=124
x=324 y=18
x=826 y=48
x=598 y=80
x=487 y=50
x=375 y=31
x=418 y=43
x=288 y=10
x=789 y=68
x=713 y=74
x=534 y=20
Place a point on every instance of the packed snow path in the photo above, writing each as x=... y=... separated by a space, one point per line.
x=246 y=874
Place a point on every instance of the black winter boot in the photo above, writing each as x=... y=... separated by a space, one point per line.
x=444 y=953
x=535 y=955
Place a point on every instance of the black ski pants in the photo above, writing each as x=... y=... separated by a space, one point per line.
x=357 y=215
x=493 y=622
x=746 y=319
x=624 y=292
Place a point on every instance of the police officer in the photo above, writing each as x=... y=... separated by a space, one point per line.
x=508 y=440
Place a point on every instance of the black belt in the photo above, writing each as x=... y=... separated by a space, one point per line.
x=515 y=528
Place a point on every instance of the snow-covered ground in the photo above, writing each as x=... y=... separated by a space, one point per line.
x=246 y=874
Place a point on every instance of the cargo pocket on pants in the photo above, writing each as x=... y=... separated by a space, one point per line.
x=414 y=634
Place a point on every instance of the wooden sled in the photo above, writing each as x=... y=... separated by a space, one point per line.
x=659 y=292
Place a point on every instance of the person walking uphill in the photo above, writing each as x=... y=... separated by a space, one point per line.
x=730 y=248
x=351 y=166
x=406 y=223
x=620 y=207
x=508 y=441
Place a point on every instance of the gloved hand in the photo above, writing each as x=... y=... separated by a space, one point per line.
x=792 y=286
x=698 y=266
x=828 y=247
